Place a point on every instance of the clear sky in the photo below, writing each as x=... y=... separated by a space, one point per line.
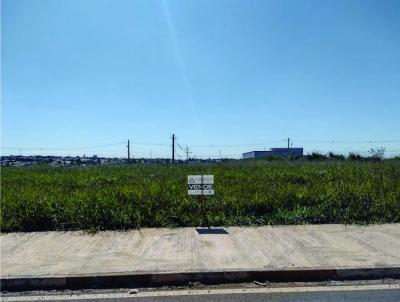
x=80 y=73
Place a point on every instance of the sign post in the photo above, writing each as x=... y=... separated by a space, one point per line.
x=201 y=185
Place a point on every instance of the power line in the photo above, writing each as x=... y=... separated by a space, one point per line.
x=217 y=155
x=64 y=148
x=20 y=149
x=151 y=144
x=349 y=142
x=180 y=147
x=179 y=155
x=236 y=145
x=81 y=147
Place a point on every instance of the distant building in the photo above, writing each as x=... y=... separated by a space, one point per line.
x=255 y=154
x=284 y=152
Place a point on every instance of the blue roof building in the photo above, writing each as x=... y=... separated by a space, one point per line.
x=283 y=152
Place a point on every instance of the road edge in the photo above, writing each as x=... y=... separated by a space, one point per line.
x=206 y=277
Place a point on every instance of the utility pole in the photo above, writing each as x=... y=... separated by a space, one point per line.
x=173 y=148
x=187 y=153
x=129 y=152
x=288 y=143
x=219 y=154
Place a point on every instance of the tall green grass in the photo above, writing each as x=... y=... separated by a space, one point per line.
x=246 y=193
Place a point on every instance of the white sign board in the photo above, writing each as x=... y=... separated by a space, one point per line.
x=201 y=184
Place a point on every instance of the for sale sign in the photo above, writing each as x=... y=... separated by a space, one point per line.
x=201 y=184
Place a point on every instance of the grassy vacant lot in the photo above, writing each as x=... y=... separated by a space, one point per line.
x=247 y=193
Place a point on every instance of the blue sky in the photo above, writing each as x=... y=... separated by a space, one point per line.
x=87 y=73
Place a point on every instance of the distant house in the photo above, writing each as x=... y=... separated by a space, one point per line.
x=284 y=152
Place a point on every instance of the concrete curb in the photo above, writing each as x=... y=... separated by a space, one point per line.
x=206 y=277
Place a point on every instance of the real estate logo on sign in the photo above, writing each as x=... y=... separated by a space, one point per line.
x=201 y=184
